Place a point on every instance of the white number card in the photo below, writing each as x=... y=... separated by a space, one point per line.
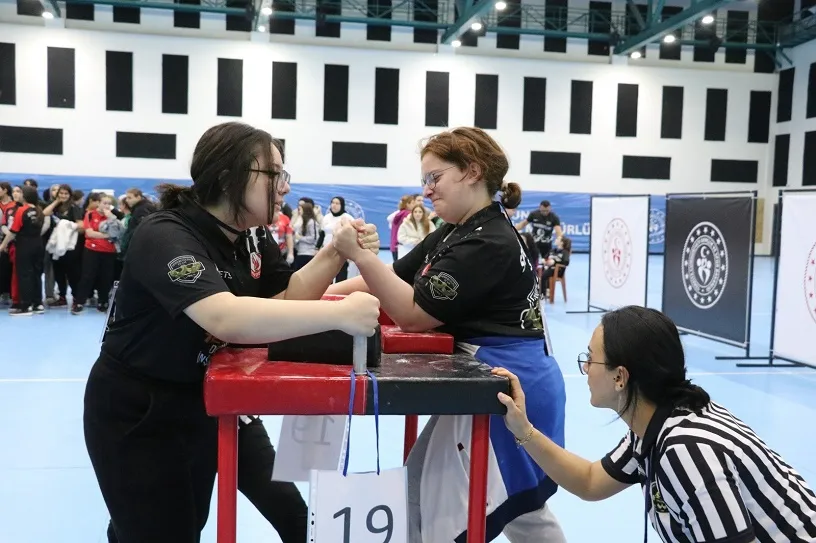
x=359 y=507
x=309 y=442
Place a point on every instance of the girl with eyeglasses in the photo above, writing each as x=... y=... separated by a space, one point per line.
x=705 y=475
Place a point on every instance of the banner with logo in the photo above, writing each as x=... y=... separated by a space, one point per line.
x=795 y=319
x=706 y=265
x=619 y=251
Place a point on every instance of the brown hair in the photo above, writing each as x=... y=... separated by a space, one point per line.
x=566 y=244
x=464 y=146
x=405 y=201
x=307 y=215
x=426 y=221
x=221 y=166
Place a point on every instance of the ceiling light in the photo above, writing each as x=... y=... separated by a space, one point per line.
x=636 y=54
x=708 y=19
x=47 y=15
x=670 y=38
x=501 y=5
x=261 y=28
x=476 y=27
x=456 y=43
x=266 y=10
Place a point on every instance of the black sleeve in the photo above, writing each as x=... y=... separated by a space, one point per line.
x=556 y=220
x=275 y=272
x=620 y=463
x=173 y=265
x=407 y=266
x=456 y=284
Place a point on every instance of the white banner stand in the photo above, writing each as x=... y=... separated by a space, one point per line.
x=618 y=252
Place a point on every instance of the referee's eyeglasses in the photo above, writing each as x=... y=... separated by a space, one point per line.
x=584 y=360
x=429 y=179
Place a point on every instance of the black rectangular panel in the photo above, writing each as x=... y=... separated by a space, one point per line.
x=811 y=93
x=359 y=155
x=736 y=25
x=175 y=84
x=556 y=13
x=784 y=105
x=427 y=11
x=555 y=163
x=510 y=17
x=143 y=145
x=759 y=118
x=8 y=70
x=600 y=15
x=284 y=90
x=379 y=9
x=79 y=12
x=581 y=107
x=239 y=23
x=646 y=167
x=35 y=141
x=626 y=126
x=322 y=28
x=671 y=51
x=33 y=8
x=809 y=160
x=535 y=104
x=127 y=15
x=781 y=158
x=486 y=109
x=278 y=25
x=716 y=114
x=437 y=92
x=230 y=87
x=734 y=171
x=61 y=77
x=185 y=19
x=119 y=81
x=335 y=93
x=703 y=34
x=671 y=123
x=386 y=96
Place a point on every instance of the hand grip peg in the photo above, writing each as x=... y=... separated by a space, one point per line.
x=359 y=354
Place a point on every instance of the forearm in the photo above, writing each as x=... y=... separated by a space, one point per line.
x=568 y=470
x=344 y=288
x=255 y=321
x=312 y=280
x=395 y=295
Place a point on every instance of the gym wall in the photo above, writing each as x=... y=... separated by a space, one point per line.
x=103 y=104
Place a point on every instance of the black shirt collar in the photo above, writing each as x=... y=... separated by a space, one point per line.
x=208 y=225
x=659 y=418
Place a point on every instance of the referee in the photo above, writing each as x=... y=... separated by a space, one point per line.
x=705 y=475
x=199 y=274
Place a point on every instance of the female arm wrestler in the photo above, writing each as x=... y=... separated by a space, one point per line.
x=193 y=280
x=472 y=279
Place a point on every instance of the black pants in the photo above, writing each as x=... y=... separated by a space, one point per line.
x=29 y=261
x=67 y=272
x=342 y=275
x=5 y=273
x=280 y=503
x=98 y=270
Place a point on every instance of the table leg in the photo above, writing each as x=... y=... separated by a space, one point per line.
x=411 y=428
x=227 y=478
x=479 y=454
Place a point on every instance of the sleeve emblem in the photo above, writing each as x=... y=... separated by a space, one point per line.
x=185 y=269
x=443 y=286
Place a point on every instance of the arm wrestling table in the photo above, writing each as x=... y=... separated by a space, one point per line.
x=244 y=382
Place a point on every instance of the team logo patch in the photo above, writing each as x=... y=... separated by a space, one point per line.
x=705 y=265
x=443 y=286
x=185 y=269
x=617 y=253
x=657 y=499
x=255 y=265
x=810 y=282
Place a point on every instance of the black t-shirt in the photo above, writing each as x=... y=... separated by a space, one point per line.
x=176 y=258
x=543 y=225
x=27 y=223
x=475 y=278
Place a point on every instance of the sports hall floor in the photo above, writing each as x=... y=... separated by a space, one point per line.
x=48 y=493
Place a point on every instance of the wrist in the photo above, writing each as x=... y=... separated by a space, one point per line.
x=525 y=436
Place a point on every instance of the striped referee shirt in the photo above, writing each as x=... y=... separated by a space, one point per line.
x=709 y=478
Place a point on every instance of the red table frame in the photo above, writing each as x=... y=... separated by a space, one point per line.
x=234 y=387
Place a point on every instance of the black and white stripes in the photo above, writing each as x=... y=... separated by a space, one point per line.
x=708 y=477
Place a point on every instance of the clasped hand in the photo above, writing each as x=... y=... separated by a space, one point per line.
x=351 y=238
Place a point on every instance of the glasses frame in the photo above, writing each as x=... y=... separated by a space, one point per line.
x=431 y=178
x=585 y=359
x=283 y=175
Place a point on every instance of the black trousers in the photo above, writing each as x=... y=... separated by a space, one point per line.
x=5 y=273
x=98 y=270
x=29 y=261
x=160 y=486
x=68 y=272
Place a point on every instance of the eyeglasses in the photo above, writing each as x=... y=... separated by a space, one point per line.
x=272 y=174
x=429 y=179
x=584 y=360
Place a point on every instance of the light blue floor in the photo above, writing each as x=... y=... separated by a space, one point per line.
x=48 y=493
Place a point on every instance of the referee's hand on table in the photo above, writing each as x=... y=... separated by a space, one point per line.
x=516 y=417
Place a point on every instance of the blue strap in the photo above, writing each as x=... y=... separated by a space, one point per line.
x=351 y=415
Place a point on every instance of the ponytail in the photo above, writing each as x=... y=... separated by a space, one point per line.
x=511 y=195
x=688 y=395
x=170 y=194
